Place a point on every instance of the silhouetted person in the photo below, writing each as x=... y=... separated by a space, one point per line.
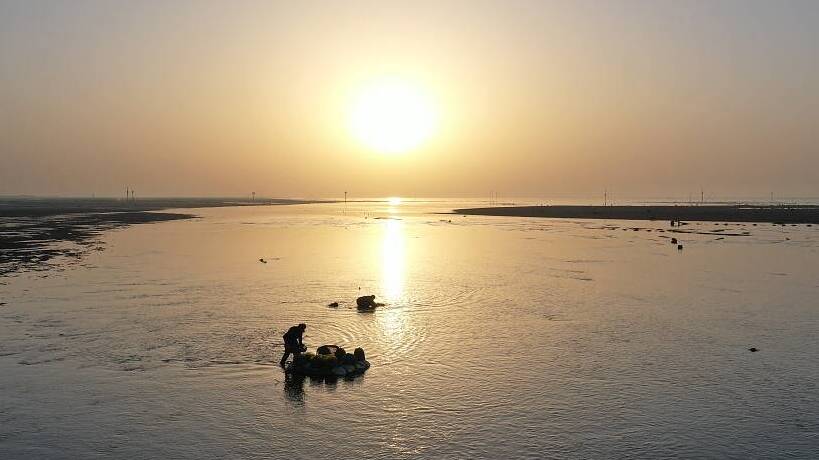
x=293 y=342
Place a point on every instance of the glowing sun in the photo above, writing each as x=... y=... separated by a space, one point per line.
x=392 y=116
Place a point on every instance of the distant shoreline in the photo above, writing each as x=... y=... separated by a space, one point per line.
x=796 y=214
x=40 y=207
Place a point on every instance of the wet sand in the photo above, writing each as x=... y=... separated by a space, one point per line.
x=797 y=214
x=35 y=231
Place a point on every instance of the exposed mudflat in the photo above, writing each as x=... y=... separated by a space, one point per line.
x=30 y=243
x=793 y=214
x=34 y=231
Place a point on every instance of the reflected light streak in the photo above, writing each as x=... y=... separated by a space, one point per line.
x=393 y=203
x=392 y=272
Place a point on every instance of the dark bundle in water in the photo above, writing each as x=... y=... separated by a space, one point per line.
x=367 y=302
x=330 y=361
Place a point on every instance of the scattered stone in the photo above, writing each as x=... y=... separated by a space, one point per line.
x=679 y=247
x=262 y=261
x=673 y=240
x=333 y=305
x=753 y=349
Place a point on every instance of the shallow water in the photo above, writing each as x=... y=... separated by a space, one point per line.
x=501 y=338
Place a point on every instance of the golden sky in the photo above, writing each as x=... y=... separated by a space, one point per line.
x=530 y=98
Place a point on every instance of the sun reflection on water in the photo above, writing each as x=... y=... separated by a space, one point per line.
x=392 y=273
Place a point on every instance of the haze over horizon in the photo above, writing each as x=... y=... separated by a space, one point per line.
x=528 y=98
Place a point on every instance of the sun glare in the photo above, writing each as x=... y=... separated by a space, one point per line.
x=392 y=116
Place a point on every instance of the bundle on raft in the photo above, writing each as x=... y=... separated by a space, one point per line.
x=330 y=361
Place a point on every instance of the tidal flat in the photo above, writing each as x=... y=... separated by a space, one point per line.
x=34 y=231
x=773 y=214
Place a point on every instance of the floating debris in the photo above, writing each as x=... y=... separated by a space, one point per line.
x=333 y=305
x=753 y=349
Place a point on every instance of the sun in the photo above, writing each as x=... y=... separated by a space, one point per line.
x=392 y=116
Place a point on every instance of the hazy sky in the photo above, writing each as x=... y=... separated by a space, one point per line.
x=535 y=98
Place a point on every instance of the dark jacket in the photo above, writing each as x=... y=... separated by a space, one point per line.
x=293 y=336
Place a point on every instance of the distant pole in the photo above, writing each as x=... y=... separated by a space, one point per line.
x=253 y=196
x=702 y=196
x=605 y=197
x=345 y=197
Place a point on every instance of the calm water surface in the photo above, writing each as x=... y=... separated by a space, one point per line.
x=501 y=338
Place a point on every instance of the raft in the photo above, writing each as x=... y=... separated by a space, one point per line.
x=329 y=361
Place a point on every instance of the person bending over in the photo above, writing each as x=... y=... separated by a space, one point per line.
x=293 y=342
